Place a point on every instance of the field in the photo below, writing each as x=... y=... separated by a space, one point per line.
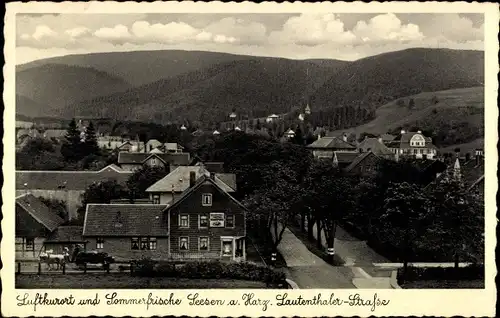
x=450 y=105
x=125 y=281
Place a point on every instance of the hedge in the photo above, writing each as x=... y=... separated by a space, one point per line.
x=208 y=270
x=471 y=272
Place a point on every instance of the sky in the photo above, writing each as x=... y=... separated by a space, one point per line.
x=297 y=36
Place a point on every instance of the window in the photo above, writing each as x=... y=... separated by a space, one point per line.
x=184 y=220
x=29 y=244
x=229 y=220
x=152 y=243
x=144 y=243
x=156 y=199
x=203 y=221
x=206 y=199
x=134 y=243
x=153 y=160
x=99 y=242
x=183 y=243
x=203 y=243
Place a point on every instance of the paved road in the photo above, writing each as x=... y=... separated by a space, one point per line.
x=310 y=271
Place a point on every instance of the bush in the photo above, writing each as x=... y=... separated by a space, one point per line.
x=471 y=272
x=208 y=270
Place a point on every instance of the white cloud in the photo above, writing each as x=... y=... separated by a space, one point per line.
x=42 y=32
x=312 y=29
x=118 y=32
x=170 y=32
x=77 y=32
x=386 y=27
x=247 y=32
x=453 y=27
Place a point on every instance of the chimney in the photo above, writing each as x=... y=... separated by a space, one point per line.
x=192 y=178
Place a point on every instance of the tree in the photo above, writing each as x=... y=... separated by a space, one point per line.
x=275 y=207
x=72 y=149
x=103 y=192
x=404 y=219
x=57 y=207
x=458 y=220
x=90 y=143
x=142 y=179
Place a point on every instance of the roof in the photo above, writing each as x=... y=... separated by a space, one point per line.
x=172 y=146
x=125 y=220
x=346 y=157
x=66 y=233
x=154 y=143
x=472 y=172
x=179 y=178
x=54 y=133
x=359 y=159
x=39 y=211
x=140 y=157
x=374 y=145
x=387 y=137
x=23 y=132
x=156 y=150
x=331 y=143
x=200 y=182
x=68 y=180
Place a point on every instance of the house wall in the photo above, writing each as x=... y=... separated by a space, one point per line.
x=130 y=166
x=121 y=248
x=23 y=254
x=193 y=207
x=154 y=162
x=165 y=198
x=72 y=198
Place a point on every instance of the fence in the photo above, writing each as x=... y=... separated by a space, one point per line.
x=37 y=267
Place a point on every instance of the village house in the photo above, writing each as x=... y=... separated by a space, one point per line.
x=152 y=144
x=132 y=146
x=343 y=159
x=179 y=180
x=376 y=146
x=67 y=186
x=34 y=223
x=130 y=161
x=110 y=142
x=364 y=165
x=24 y=124
x=57 y=134
x=65 y=237
x=413 y=144
x=203 y=223
x=324 y=147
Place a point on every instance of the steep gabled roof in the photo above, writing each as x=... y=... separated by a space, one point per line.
x=331 y=143
x=68 y=180
x=179 y=178
x=374 y=145
x=125 y=220
x=39 y=211
x=360 y=159
x=199 y=183
x=345 y=157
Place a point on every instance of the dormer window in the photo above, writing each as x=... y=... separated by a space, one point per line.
x=156 y=199
x=206 y=199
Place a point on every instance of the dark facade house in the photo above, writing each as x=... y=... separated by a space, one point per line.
x=376 y=146
x=34 y=223
x=127 y=231
x=67 y=186
x=343 y=159
x=324 y=147
x=130 y=161
x=204 y=222
x=365 y=165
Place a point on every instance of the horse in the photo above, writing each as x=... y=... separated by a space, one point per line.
x=50 y=259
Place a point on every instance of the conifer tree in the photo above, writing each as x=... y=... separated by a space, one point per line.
x=72 y=146
x=90 y=143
